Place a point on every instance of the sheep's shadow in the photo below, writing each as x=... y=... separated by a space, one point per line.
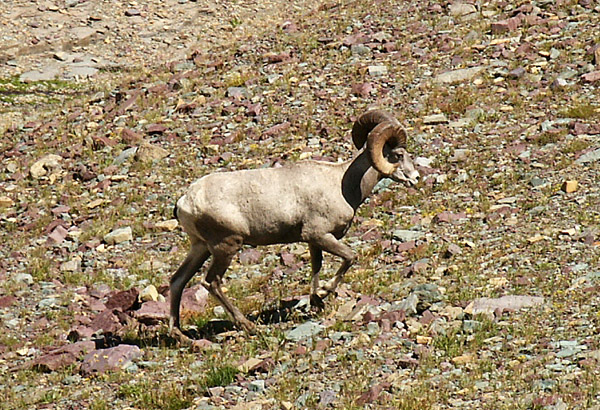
x=287 y=309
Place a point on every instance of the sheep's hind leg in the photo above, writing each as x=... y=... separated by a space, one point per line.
x=196 y=257
x=222 y=255
x=316 y=261
x=330 y=244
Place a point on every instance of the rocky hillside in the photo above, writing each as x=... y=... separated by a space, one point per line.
x=476 y=289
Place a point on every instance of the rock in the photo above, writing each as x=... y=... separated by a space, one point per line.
x=6 y=202
x=304 y=331
x=125 y=155
x=132 y=12
x=153 y=265
x=167 y=226
x=377 y=70
x=115 y=358
x=83 y=35
x=50 y=162
x=7 y=301
x=591 y=156
x=119 y=236
x=256 y=385
x=149 y=152
x=569 y=186
x=25 y=278
x=461 y=9
x=360 y=50
x=435 y=119
x=456 y=76
x=82 y=71
x=72 y=265
x=407 y=235
x=149 y=293
x=194 y=299
x=238 y=93
x=591 y=77
x=46 y=74
x=57 y=235
x=516 y=73
x=63 y=356
x=152 y=313
x=463 y=359
x=504 y=303
x=123 y=300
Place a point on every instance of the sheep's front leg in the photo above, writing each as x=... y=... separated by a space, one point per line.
x=192 y=264
x=222 y=255
x=330 y=244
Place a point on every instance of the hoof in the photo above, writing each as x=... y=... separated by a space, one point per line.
x=316 y=302
x=178 y=335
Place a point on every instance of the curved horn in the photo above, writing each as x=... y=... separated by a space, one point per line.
x=365 y=124
x=390 y=133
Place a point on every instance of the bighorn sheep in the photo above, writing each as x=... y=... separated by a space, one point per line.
x=308 y=201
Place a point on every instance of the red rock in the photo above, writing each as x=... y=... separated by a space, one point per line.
x=63 y=356
x=152 y=313
x=362 y=89
x=124 y=300
x=156 y=129
x=106 y=321
x=405 y=246
x=80 y=333
x=57 y=235
x=372 y=394
x=194 y=299
x=105 y=141
x=114 y=358
x=130 y=137
x=287 y=259
x=591 y=77
x=6 y=301
x=277 y=129
x=250 y=256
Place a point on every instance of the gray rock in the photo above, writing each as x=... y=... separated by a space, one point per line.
x=407 y=235
x=461 y=9
x=48 y=303
x=538 y=182
x=82 y=71
x=409 y=305
x=360 y=50
x=591 y=156
x=304 y=331
x=46 y=74
x=435 y=119
x=119 y=235
x=456 y=76
x=378 y=70
x=125 y=155
x=256 y=385
x=508 y=302
x=25 y=278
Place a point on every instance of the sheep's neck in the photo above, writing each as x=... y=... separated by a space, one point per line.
x=359 y=169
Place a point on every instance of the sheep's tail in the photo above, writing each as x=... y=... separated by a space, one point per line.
x=175 y=211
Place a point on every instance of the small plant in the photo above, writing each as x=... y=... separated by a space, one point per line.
x=157 y=396
x=220 y=376
x=581 y=111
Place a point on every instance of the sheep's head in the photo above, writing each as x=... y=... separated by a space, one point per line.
x=386 y=145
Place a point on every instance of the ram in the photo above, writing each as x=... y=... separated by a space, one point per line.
x=308 y=201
